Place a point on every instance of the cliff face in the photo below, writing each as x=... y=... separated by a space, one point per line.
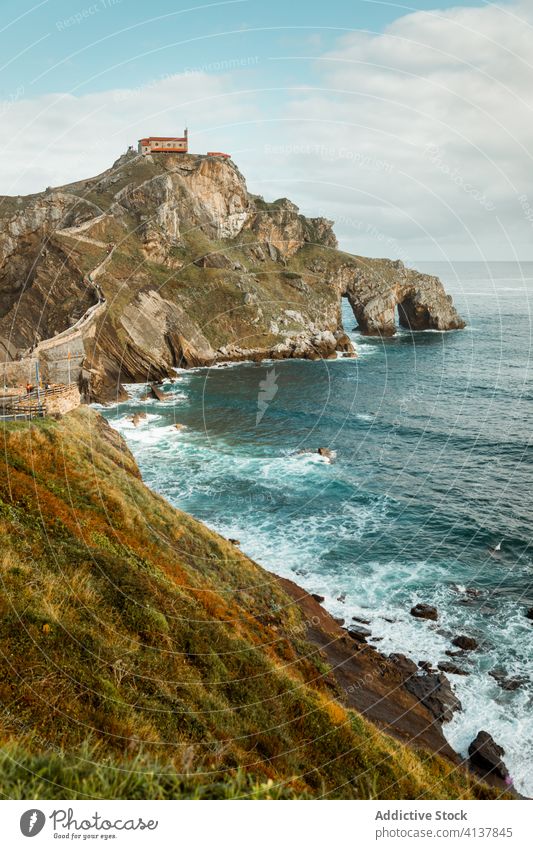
x=129 y=631
x=189 y=268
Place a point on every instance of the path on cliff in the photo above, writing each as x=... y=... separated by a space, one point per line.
x=73 y=332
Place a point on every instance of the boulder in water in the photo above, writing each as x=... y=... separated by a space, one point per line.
x=425 y=611
x=157 y=393
x=137 y=418
x=465 y=643
x=486 y=756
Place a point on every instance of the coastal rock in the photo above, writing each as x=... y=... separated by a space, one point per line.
x=404 y=665
x=359 y=633
x=432 y=689
x=281 y=228
x=435 y=692
x=465 y=643
x=452 y=668
x=486 y=755
x=137 y=418
x=506 y=683
x=317 y=597
x=529 y=613
x=424 y=611
x=279 y=286
x=157 y=393
x=420 y=299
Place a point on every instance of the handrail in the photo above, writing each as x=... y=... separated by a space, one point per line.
x=17 y=400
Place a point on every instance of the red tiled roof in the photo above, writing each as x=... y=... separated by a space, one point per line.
x=163 y=138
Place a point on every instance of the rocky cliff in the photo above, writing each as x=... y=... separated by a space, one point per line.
x=169 y=260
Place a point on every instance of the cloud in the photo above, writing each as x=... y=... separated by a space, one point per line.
x=59 y=138
x=423 y=132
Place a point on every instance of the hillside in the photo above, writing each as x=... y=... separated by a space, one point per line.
x=168 y=260
x=144 y=656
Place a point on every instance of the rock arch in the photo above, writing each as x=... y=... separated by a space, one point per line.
x=420 y=300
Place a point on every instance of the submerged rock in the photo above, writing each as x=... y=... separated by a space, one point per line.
x=362 y=621
x=327 y=453
x=451 y=668
x=505 y=682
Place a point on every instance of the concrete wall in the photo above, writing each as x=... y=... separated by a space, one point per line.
x=19 y=372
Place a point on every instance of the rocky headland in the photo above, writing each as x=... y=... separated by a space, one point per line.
x=169 y=260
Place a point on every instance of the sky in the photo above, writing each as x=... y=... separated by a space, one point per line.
x=409 y=124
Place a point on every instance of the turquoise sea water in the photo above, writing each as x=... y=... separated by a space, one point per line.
x=434 y=464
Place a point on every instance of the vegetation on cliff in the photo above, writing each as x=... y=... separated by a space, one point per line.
x=144 y=656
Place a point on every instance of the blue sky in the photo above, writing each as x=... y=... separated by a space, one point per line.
x=408 y=124
x=89 y=46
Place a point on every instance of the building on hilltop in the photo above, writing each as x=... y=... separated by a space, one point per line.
x=164 y=144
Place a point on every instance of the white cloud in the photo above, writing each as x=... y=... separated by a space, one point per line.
x=423 y=133
x=59 y=138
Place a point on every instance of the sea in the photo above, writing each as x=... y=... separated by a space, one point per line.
x=433 y=468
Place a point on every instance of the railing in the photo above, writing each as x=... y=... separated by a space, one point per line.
x=30 y=405
x=33 y=411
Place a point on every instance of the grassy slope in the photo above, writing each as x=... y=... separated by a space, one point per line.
x=162 y=660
